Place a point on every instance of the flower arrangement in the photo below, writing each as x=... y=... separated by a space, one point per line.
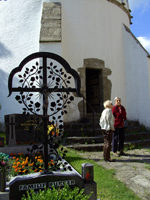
x=4 y=162
x=52 y=130
x=25 y=164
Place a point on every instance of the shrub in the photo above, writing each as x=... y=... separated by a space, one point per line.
x=57 y=194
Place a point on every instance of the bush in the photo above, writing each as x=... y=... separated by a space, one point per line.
x=57 y=194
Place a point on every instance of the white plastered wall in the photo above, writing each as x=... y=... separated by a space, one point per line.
x=90 y=29
x=137 y=66
x=93 y=29
x=19 y=37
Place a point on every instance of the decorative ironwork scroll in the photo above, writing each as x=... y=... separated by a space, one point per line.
x=44 y=91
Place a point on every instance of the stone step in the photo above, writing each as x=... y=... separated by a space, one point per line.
x=84 y=140
x=87 y=130
x=99 y=139
x=137 y=136
x=83 y=132
x=86 y=122
x=134 y=129
x=83 y=129
x=99 y=147
x=80 y=126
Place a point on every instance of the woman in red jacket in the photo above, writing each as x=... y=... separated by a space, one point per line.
x=119 y=113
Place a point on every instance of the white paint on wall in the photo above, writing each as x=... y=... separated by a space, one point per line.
x=137 y=66
x=19 y=37
x=93 y=29
x=90 y=29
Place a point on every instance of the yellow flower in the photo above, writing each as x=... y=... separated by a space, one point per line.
x=50 y=127
x=31 y=164
x=18 y=163
x=57 y=130
x=40 y=156
x=23 y=163
x=27 y=159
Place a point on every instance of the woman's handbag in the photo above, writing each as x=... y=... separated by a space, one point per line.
x=125 y=125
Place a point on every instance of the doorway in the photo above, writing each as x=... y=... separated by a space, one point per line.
x=93 y=91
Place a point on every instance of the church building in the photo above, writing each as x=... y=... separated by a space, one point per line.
x=93 y=36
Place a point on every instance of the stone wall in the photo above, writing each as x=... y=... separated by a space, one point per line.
x=51 y=22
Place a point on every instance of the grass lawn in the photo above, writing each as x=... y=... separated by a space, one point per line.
x=108 y=188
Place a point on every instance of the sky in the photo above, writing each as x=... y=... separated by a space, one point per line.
x=140 y=10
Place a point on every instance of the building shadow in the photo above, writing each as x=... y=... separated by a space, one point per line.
x=4 y=52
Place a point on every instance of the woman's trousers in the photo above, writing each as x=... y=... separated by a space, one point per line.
x=107 y=144
x=118 y=137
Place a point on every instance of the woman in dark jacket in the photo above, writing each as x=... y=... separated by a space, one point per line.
x=119 y=113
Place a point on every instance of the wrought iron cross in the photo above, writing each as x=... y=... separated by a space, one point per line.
x=45 y=78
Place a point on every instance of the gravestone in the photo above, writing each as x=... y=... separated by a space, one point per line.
x=53 y=75
x=38 y=181
x=21 y=184
x=17 y=128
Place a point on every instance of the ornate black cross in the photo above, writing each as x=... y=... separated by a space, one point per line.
x=47 y=79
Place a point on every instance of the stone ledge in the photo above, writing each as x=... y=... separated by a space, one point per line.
x=15 y=149
x=4 y=195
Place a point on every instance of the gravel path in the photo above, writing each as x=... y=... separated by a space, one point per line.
x=131 y=169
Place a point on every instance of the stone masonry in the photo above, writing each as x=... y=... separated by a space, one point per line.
x=51 y=22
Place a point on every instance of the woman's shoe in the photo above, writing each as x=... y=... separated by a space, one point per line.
x=115 y=154
x=122 y=153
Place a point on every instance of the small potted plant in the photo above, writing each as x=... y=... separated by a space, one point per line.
x=3 y=168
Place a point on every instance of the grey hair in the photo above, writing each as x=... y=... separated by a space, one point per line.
x=117 y=98
x=107 y=103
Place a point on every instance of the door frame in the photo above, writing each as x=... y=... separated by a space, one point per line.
x=94 y=63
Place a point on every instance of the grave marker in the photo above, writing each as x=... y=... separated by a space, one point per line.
x=21 y=184
x=17 y=128
x=49 y=75
x=45 y=74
